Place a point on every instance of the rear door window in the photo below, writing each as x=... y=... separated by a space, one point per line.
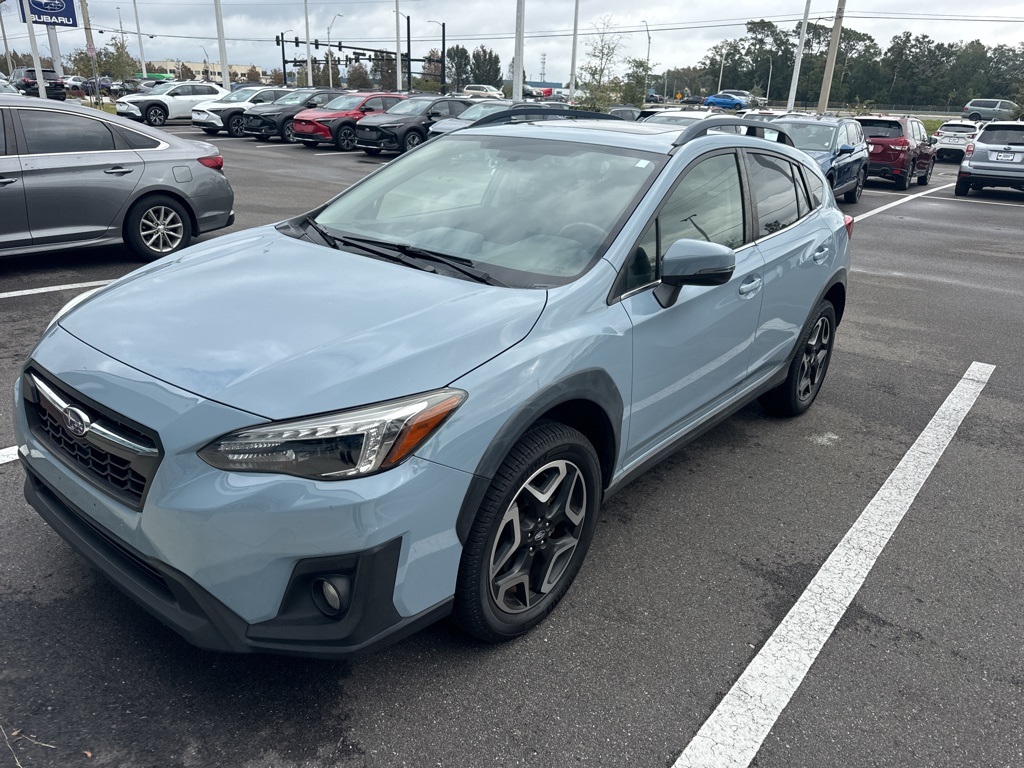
x=58 y=132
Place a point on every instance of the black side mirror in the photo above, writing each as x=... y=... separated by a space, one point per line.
x=845 y=149
x=693 y=262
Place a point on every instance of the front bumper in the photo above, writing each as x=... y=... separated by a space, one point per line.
x=227 y=559
x=260 y=126
x=888 y=170
x=203 y=119
x=988 y=177
x=376 y=138
x=127 y=109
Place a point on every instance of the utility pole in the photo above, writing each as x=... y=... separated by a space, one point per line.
x=90 y=48
x=444 y=55
x=517 y=74
x=572 y=66
x=330 y=54
x=830 y=62
x=721 y=70
x=647 y=69
x=7 y=48
x=408 y=51
x=309 y=53
x=138 y=33
x=398 y=47
x=799 y=55
x=284 y=61
x=225 y=71
x=40 y=80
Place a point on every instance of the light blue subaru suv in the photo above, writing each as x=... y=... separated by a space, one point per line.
x=314 y=437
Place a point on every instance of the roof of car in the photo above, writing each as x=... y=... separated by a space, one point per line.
x=827 y=119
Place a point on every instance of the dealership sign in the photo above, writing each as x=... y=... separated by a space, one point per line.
x=59 y=13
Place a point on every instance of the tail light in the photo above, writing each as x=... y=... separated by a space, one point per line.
x=971 y=135
x=969 y=151
x=848 y=223
x=213 y=161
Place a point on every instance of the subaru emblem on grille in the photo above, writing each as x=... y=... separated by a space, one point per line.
x=76 y=421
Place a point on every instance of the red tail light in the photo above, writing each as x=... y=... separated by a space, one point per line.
x=848 y=221
x=214 y=161
x=969 y=151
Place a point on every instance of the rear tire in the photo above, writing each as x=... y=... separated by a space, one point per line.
x=903 y=180
x=157 y=226
x=923 y=180
x=975 y=116
x=810 y=364
x=853 y=195
x=963 y=186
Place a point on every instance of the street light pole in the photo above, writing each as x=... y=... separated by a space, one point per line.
x=572 y=65
x=398 y=47
x=721 y=70
x=138 y=32
x=284 y=61
x=768 y=89
x=799 y=55
x=309 y=51
x=443 y=55
x=330 y=55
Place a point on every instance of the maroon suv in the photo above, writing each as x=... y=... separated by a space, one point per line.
x=899 y=149
x=336 y=120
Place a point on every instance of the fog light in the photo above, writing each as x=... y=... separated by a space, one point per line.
x=332 y=595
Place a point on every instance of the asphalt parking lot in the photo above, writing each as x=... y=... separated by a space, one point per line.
x=692 y=571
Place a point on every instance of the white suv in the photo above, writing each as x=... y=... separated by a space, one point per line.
x=225 y=114
x=953 y=138
x=168 y=101
x=482 y=92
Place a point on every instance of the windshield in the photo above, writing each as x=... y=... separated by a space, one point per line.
x=672 y=119
x=242 y=94
x=482 y=110
x=294 y=98
x=882 y=129
x=410 y=107
x=162 y=88
x=810 y=137
x=344 y=103
x=533 y=213
x=1002 y=134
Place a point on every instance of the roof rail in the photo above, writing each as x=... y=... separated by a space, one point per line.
x=754 y=128
x=508 y=115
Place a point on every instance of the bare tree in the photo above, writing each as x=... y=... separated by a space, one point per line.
x=597 y=77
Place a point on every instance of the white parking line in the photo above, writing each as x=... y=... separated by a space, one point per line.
x=52 y=288
x=733 y=735
x=901 y=201
x=7 y=455
x=981 y=202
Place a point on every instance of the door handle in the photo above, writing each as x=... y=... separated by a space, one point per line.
x=118 y=170
x=4 y=181
x=751 y=287
x=821 y=254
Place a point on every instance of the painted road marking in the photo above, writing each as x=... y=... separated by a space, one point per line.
x=8 y=455
x=901 y=201
x=52 y=288
x=732 y=736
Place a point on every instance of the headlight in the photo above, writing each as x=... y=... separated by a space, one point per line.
x=336 y=446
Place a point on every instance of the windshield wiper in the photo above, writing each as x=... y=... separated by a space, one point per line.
x=337 y=242
x=455 y=263
x=327 y=237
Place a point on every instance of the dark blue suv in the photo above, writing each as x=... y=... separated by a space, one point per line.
x=839 y=147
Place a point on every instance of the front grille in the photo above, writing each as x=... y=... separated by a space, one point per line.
x=116 y=455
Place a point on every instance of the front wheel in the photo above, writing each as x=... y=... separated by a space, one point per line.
x=287 y=132
x=853 y=195
x=963 y=186
x=157 y=226
x=235 y=126
x=809 y=366
x=412 y=140
x=156 y=115
x=345 y=140
x=530 y=535
x=927 y=175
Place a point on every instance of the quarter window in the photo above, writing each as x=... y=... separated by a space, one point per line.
x=815 y=187
x=774 y=191
x=52 y=132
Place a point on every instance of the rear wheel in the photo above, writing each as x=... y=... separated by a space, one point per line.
x=975 y=116
x=530 y=535
x=903 y=180
x=157 y=226
x=809 y=366
x=853 y=195
x=345 y=140
x=234 y=126
x=963 y=186
x=924 y=179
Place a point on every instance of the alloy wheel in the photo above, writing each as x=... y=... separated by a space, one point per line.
x=815 y=358
x=161 y=229
x=537 y=536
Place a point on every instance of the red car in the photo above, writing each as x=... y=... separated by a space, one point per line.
x=336 y=120
x=899 y=149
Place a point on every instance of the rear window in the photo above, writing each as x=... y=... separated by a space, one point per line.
x=957 y=128
x=1003 y=134
x=882 y=129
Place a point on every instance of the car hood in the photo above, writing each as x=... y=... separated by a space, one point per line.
x=274 y=109
x=216 y=104
x=281 y=327
x=449 y=124
x=822 y=157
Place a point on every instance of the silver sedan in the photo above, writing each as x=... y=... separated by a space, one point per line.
x=112 y=181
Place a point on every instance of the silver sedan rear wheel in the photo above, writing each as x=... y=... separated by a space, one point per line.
x=157 y=226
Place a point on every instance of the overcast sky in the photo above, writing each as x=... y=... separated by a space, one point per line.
x=680 y=33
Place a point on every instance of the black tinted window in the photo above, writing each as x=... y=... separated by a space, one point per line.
x=774 y=191
x=1003 y=134
x=815 y=187
x=204 y=90
x=3 y=150
x=50 y=132
x=456 y=107
x=885 y=129
x=707 y=205
x=138 y=141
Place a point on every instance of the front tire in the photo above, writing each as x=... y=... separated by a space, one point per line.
x=235 y=126
x=287 y=132
x=157 y=226
x=810 y=364
x=853 y=195
x=156 y=116
x=530 y=535
x=345 y=140
x=412 y=140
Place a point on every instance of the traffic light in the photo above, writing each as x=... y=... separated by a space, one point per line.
x=277 y=39
x=316 y=44
x=296 y=42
